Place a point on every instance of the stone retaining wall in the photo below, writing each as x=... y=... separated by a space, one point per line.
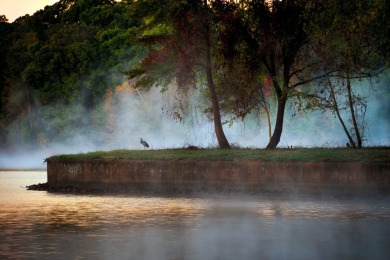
x=219 y=176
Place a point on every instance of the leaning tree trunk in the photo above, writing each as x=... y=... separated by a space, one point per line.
x=264 y=104
x=222 y=140
x=269 y=123
x=352 y=110
x=337 y=110
x=275 y=139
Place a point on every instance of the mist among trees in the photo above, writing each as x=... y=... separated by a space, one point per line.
x=236 y=59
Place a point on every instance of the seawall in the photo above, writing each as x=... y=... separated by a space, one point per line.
x=219 y=176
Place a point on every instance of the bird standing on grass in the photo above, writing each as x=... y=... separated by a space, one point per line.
x=144 y=143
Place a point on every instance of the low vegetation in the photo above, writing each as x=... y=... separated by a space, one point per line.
x=374 y=154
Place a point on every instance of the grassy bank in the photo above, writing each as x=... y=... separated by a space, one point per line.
x=297 y=155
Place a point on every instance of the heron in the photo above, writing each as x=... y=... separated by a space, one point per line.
x=144 y=143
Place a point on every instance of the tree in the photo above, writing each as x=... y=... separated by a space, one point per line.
x=344 y=42
x=242 y=87
x=65 y=56
x=3 y=19
x=5 y=41
x=273 y=44
x=185 y=53
x=275 y=38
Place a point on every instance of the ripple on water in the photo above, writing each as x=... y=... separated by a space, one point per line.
x=37 y=224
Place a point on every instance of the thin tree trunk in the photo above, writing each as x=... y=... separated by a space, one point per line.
x=268 y=122
x=336 y=107
x=352 y=110
x=265 y=106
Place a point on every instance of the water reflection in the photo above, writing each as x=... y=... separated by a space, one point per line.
x=35 y=224
x=89 y=211
x=324 y=209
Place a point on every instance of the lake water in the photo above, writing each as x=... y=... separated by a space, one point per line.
x=42 y=225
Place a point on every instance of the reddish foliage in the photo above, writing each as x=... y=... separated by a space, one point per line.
x=267 y=87
x=181 y=47
x=156 y=56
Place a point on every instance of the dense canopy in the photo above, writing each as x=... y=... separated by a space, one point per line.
x=241 y=57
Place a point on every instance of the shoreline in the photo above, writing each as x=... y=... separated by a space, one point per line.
x=192 y=177
x=286 y=194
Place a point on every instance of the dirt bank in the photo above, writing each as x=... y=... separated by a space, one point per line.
x=216 y=176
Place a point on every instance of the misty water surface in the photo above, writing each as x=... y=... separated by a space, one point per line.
x=41 y=225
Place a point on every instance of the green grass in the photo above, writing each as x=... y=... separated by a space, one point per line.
x=381 y=154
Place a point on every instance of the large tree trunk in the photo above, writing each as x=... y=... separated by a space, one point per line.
x=274 y=141
x=222 y=141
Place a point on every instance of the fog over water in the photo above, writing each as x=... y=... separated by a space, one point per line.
x=44 y=225
x=128 y=115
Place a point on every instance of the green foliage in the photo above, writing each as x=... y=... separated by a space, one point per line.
x=344 y=35
x=5 y=41
x=68 y=54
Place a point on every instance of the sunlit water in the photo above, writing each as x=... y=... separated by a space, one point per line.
x=41 y=225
